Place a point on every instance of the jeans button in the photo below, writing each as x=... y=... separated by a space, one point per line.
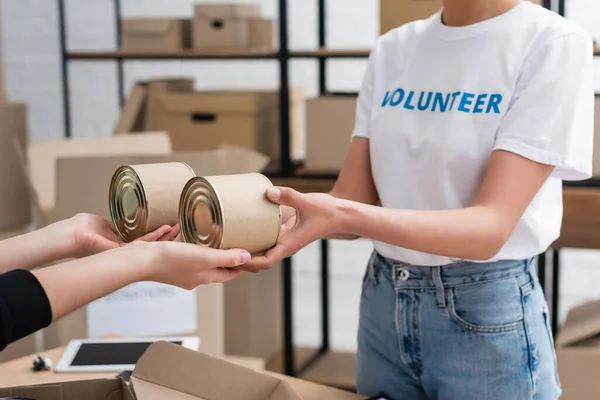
x=403 y=274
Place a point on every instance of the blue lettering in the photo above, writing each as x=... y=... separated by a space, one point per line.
x=386 y=99
x=454 y=95
x=465 y=101
x=480 y=102
x=397 y=97
x=494 y=103
x=426 y=106
x=407 y=105
x=439 y=99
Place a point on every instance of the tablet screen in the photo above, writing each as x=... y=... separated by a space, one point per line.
x=90 y=354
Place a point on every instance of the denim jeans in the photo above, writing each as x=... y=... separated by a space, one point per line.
x=468 y=331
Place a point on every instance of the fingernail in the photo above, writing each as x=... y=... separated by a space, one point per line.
x=274 y=193
x=245 y=257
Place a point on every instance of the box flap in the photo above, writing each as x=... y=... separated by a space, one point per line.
x=132 y=117
x=583 y=322
x=166 y=370
x=213 y=11
x=217 y=102
x=42 y=157
x=82 y=182
x=148 y=26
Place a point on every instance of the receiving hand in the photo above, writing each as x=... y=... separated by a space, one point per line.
x=315 y=217
x=91 y=234
x=189 y=266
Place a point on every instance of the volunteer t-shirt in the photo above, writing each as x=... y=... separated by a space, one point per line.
x=438 y=100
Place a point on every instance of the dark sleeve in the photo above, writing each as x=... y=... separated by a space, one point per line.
x=24 y=306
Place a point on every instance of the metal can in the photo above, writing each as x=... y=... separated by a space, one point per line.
x=230 y=211
x=142 y=198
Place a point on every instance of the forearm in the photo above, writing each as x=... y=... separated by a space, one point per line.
x=36 y=248
x=76 y=283
x=473 y=233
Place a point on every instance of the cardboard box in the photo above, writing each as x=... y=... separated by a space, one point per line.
x=395 y=13
x=15 y=208
x=158 y=87
x=330 y=121
x=223 y=26
x=41 y=159
x=167 y=371
x=2 y=83
x=207 y=120
x=596 y=156
x=262 y=34
x=133 y=115
x=241 y=318
x=578 y=353
x=156 y=34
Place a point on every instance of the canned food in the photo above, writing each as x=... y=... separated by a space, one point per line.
x=142 y=198
x=229 y=211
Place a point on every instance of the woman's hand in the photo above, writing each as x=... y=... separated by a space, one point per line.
x=76 y=283
x=189 y=266
x=91 y=234
x=315 y=217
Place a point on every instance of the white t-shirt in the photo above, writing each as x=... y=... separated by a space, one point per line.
x=437 y=100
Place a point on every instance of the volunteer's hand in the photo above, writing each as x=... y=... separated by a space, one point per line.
x=189 y=266
x=90 y=234
x=314 y=217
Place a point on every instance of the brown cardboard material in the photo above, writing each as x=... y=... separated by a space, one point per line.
x=578 y=353
x=230 y=212
x=156 y=34
x=330 y=121
x=167 y=371
x=89 y=177
x=596 y=156
x=395 y=13
x=133 y=116
x=223 y=25
x=158 y=87
x=207 y=120
x=261 y=34
x=40 y=166
x=151 y=202
x=15 y=210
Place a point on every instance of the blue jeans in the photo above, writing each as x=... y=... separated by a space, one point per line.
x=462 y=332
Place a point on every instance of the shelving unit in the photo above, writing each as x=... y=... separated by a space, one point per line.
x=288 y=173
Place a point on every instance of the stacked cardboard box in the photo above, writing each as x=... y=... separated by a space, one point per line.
x=394 y=13
x=232 y=26
x=330 y=121
x=198 y=121
x=156 y=34
x=214 y=27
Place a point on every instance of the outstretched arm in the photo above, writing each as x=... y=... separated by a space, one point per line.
x=79 y=236
x=30 y=301
x=476 y=232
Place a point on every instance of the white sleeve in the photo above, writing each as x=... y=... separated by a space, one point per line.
x=550 y=119
x=364 y=103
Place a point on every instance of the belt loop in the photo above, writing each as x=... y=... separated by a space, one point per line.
x=532 y=264
x=439 y=287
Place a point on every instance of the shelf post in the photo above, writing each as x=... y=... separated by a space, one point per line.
x=65 y=68
x=119 y=38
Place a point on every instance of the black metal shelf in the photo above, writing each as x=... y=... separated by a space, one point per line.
x=112 y=55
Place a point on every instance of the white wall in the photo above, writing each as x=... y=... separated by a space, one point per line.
x=33 y=75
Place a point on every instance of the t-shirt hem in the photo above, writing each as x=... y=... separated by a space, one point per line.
x=360 y=133
x=566 y=168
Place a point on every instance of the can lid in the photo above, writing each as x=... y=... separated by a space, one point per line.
x=128 y=204
x=201 y=214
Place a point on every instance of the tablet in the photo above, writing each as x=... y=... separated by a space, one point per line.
x=106 y=355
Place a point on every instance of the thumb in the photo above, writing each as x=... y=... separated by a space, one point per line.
x=101 y=244
x=228 y=258
x=284 y=196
